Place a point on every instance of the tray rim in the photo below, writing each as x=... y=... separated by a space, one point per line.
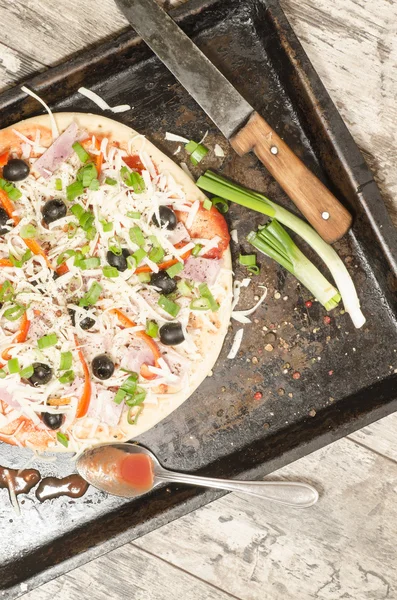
x=361 y=178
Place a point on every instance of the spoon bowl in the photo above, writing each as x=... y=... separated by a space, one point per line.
x=102 y=467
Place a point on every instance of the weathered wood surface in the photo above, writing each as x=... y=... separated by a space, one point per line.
x=346 y=546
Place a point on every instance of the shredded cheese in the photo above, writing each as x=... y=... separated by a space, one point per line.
x=101 y=102
x=236 y=344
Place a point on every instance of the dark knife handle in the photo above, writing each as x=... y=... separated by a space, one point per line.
x=325 y=213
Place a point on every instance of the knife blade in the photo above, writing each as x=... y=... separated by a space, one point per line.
x=235 y=117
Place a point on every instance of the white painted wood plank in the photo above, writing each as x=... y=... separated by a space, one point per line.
x=344 y=547
x=380 y=436
x=14 y=66
x=127 y=573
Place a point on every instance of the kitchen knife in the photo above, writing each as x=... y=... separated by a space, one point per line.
x=235 y=117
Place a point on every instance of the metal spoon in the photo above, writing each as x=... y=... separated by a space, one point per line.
x=98 y=466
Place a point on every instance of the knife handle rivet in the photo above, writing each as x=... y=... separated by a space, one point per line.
x=325 y=215
x=274 y=150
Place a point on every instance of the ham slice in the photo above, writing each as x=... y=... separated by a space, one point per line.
x=179 y=234
x=57 y=153
x=137 y=354
x=103 y=407
x=204 y=270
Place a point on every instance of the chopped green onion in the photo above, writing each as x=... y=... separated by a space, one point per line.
x=20 y=262
x=155 y=241
x=92 y=296
x=110 y=272
x=47 y=341
x=58 y=184
x=86 y=220
x=221 y=204
x=94 y=185
x=63 y=439
x=119 y=397
x=27 y=372
x=116 y=250
x=107 y=226
x=66 y=361
x=67 y=377
x=129 y=385
x=172 y=308
x=220 y=186
x=74 y=190
x=110 y=181
x=85 y=249
x=200 y=304
x=28 y=231
x=14 y=313
x=133 y=214
x=247 y=260
x=205 y=293
x=77 y=210
x=207 y=204
x=131 y=262
x=133 y=179
x=132 y=415
x=196 y=151
x=3 y=374
x=13 y=366
x=7 y=292
x=139 y=255
x=151 y=328
x=87 y=174
x=184 y=288
x=144 y=277
x=12 y=192
x=72 y=230
x=81 y=153
x=254 y=269
x=137 y=398
x=93 y=262
x=196 y=249
x=175 y=269
x=136 y=236
x=90 y=233
x=156 y=255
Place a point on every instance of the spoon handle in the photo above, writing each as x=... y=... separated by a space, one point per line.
x=288 y=493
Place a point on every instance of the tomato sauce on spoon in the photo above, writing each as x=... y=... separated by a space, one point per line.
x=137 y=471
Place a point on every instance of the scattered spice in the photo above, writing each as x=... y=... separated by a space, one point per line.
x=308 y=303
x=269 y=348
x=281 y=391
x=285 y=298
x=223 y=388
x=312 y=413
x=266 y=425
x=290 y=394
x=254 y=360
x=270 y=337
x=296 y=375
x=258 y=395
x=287 y=366
x=327 y=320
x=330 y=372
x=277 y=295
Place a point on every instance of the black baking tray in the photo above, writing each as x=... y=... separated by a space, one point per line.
x=346 y=376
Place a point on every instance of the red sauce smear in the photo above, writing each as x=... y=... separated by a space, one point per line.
x=137 y=471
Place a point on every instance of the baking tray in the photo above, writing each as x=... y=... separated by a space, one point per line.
x=346 y=376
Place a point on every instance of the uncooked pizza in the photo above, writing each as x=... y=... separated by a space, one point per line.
x=115 y=283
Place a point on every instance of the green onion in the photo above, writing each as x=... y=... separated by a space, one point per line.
x=7 y=292
x=132 y=415
x=3 y=374
x=275 y=242
x=215 y=184
x=139 y=397
x=67 y=377
x=81 y=153
x=28 y=231
x=119 y=397
x=133 y=179
x=196 y=151
x=196 y=249
x=93 y=262
x=156 y=255
x=151 y=328
x=220 y=204
x=205 y=293
x=139 y=255
x=86 y=220
x=247 y=260
x=110 y=181
x=131 y=262
x=175 y=269
x=14 y=313
x=110 y=272
x=254 y=269
x=87 y=174
x=67 y=253
x=13 y=366
x=107 y=226
x=63 y=439
x=207 y=204
x=90 y=233
x=27 y=372
x=200 y=304
x=155 y=241
x=133 y=214
x=58 y=184
x=47 y=341
x=92 y=296
x=172 y=308
x=116 y=250
x=144 y=277
x=85 y=249
x=77 y=210
x=136 y=236
x=94 y=185
x=12 y=192
x=20 y=262
x=74 y=190
x=129 y=385
x=184 y=288
x=72 y=230
x=66 y=361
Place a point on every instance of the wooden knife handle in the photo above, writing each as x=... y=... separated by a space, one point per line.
x=325 y=213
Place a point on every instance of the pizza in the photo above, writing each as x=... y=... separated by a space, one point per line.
x=115 y=283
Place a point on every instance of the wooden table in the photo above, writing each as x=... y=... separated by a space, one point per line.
x=346 y=546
